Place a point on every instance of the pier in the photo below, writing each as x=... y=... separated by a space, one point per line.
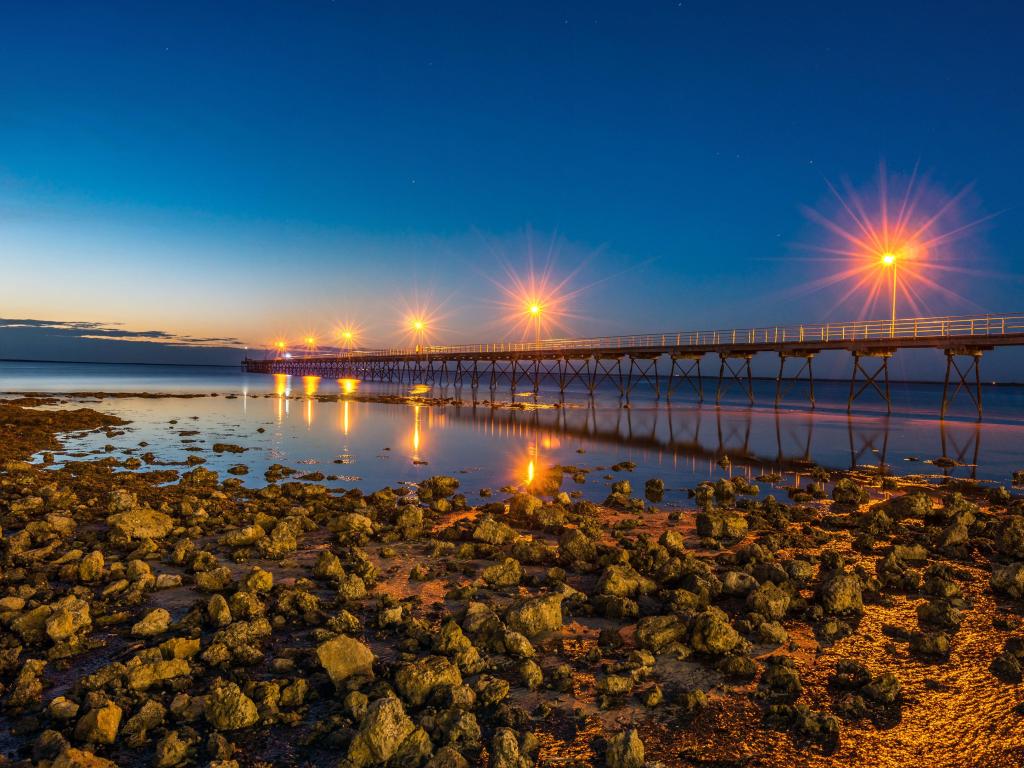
x=668 y=362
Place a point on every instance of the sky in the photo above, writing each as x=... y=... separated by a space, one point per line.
x=188 y=174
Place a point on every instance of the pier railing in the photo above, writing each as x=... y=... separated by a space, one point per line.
x=902 y=329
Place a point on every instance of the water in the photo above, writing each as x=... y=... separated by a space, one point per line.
x=955 y=713
x=372 y=444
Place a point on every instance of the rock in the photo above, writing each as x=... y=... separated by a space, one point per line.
x=491 y=531
x=848 y=493
x=884 y=688
x=69 y=617
x=713 y=634
x=418 y=680
x=737 y=583
x=930 y=643
x=344 y=657
x=769 y=600
x=80 y=758
x=63 y=708
x=721 y=525
x=536 y=615
x=228 y=448
x=780 y=680
x=140 y=524
x=505 y=574
x=440 y=485
x=28 y=688
x=625 y=750
x=841 y=593
x=171 y=750
x=100 y=724
x=1008 y=579
x=656 y=633
x=517 y=644
x=490 y=690
x=505 y=750
x=90 y=568
x=692 y=702
x=654 y=489
x=576 y=547
x=448 y=757
x=228 y=709
x=1010 y=539
x=624 y=581
x=523 y=505
x=258 y=580
x=218 y=611
x=244 y=537
x=153 y=673
x=531 y=674
x=381 y=732
x=153 y=623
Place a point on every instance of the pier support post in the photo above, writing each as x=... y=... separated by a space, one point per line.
x=725 y=358
x=808 y=357
x=972 y=388
x=646 y=369
x=686 y=363
x=870 y=378
x=570 y=370
x=609 y=369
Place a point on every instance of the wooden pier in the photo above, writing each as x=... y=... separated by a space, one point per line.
x=630 y=361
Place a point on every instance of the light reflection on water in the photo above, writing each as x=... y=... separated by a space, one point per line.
x=682 y=443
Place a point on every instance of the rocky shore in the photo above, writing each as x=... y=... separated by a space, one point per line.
x=173 y=617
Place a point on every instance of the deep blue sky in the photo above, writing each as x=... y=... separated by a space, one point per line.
x=255 y=169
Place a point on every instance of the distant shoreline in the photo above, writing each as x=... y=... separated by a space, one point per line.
x=102 y=362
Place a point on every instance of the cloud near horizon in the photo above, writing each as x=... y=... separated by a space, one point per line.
x=83 y=329
x=99 y=342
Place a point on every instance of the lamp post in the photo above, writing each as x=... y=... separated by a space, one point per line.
x=535 y=310
x=418 y=326
x=889 y=260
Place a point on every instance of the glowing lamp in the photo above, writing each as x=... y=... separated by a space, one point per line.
x=888 y=259
x=535 y=309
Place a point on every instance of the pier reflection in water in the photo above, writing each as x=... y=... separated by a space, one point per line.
x=326 y=422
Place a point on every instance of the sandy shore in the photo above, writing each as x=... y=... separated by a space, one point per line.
x=173 y=617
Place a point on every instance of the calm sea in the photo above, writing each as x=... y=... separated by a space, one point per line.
x=370 y=445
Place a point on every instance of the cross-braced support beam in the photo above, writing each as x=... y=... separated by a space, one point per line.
x=972 y=388
x=686 y=365
x=646 y=370
x=570 y=369
x=870 y=378
x=735 y=375
x=808 y=365
x=607 y=369
x=871 y=440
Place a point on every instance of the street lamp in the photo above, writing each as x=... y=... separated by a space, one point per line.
x=418 y=326
x=889 y=260
x=535 y=309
